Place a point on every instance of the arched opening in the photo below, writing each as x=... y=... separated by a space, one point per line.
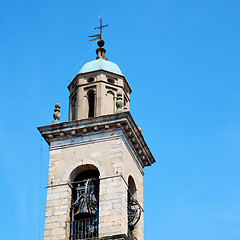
x=91 y=79
x=85 y=202
x=110 y=80
x=132 y=187
x=73 y=107
x=91 y=103
x=110 y=106
x=134 y=208
x=73 y=112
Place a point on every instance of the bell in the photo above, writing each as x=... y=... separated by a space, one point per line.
x=86 y=200
x=83 y=207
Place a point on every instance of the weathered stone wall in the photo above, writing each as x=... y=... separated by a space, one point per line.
x=132 y=170
x=115 y=161
x=57 y=212
x=112 y=207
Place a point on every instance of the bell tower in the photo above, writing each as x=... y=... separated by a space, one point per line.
x=97 y=157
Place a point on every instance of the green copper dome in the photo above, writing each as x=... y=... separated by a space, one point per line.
x=100 y=64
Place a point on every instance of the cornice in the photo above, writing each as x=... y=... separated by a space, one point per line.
x=106 y=123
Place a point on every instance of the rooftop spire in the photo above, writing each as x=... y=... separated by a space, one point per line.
x=100 y=51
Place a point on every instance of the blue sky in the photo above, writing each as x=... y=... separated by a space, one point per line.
x=181 y=59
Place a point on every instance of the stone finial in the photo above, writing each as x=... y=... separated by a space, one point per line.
x=56 y=114
x=101 y=51
x=119 y=102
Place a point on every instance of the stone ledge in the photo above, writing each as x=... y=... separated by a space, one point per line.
x=116 y=237
x=113 y=237
x=87 y=127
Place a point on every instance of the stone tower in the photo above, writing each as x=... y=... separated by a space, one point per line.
x=97 y=157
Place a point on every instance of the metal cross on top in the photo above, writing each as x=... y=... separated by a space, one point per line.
x=101 y=26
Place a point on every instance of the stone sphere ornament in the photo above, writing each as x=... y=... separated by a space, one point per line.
x=100 y=43
x=56 y=114
x=119 y=102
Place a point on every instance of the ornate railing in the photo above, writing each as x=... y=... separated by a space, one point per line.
x=131 y=236
x=84 y=229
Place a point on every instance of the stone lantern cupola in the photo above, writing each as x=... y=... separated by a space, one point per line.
x=93 y=91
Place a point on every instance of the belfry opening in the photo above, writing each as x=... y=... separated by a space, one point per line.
x=134 y=208
x=85 y=203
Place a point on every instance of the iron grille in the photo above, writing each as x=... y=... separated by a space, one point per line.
x=131 y=236
x=84 y=229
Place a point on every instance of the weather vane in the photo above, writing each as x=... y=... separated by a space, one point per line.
x=101 y=26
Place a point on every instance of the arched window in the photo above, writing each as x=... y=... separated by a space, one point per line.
x=134 y=208
x=110 y=106
x=91 y=79
x=110 y=80
x=73 y=107
x=85 y=202
x=91 y=103
x=73 y=112
x=132 y=187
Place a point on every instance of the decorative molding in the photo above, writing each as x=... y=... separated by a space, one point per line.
x=71 y=130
